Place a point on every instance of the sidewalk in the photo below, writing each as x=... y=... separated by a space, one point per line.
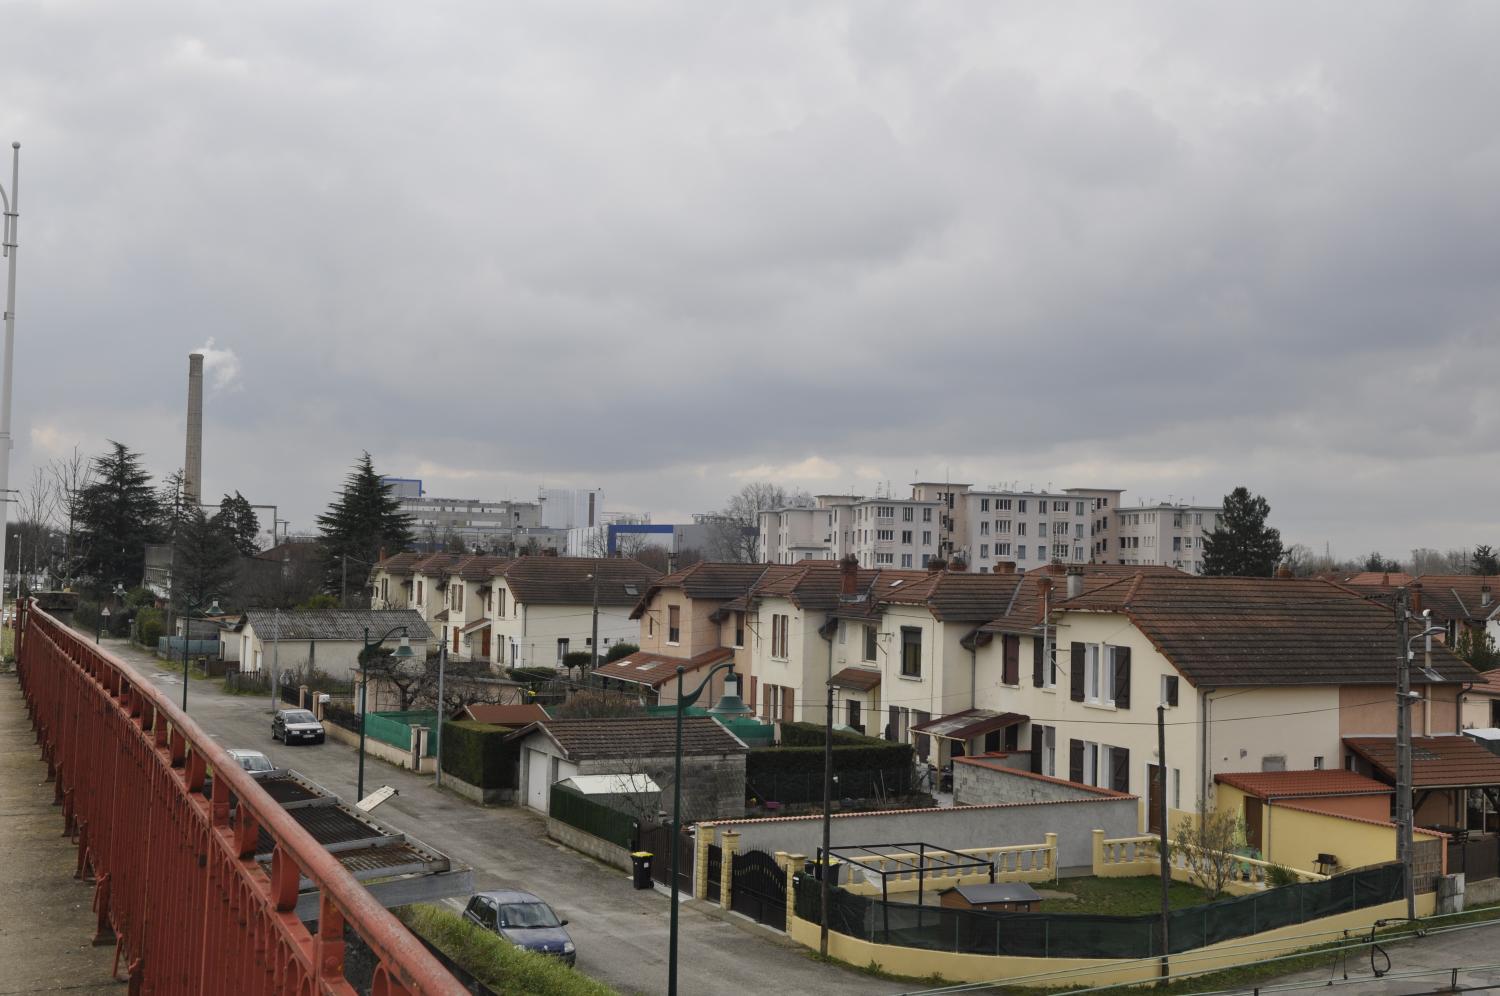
x=46 y=922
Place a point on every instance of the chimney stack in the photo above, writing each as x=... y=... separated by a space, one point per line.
x=1005 y=567
x=1075 y=582
x=1416 y=597
x=1484 y=595
x=1283 y=570
x=192 y=464
x=1044 y=587
x=849 y=576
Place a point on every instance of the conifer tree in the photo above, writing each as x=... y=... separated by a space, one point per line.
x=362 y=520
x=117 y=516
x=1242 y=545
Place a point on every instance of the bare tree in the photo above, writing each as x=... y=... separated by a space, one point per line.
x=734 y=531
x=71 y=476
x=36 y=509
x=1207 y=842
x=410 y=680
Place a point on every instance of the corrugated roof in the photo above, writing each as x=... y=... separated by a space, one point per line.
x=1436 y=762
x=636 y=736
x=969 y=724
x=568 y=581
x=1292 y=784
x=652 y=669
x=333 y=624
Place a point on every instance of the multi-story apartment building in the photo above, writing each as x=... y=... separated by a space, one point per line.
x=1027 y=528
x=795 y=533
x=1164 y=534
x=904 y=534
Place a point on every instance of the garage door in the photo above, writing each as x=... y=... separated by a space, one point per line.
x=538 y=779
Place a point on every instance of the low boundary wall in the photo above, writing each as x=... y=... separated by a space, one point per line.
x=378 y=749
x=587 y=843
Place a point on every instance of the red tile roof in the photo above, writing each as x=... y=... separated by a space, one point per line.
x=1436 y=762
x=567 y=581
x=506 y=715
x=1378 y=579
x=1488 y=683
x=635 y=737
x=1293 y=784
x=400 y=563
x=652 y=669
x=1472 y=597
x=706 y=580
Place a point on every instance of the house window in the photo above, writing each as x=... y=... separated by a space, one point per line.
x=1020 y=529
x=650 y=626
x=1003 y=505
x=911 y=652
x=1169 y=689
x=984 y=527
x=1100 y=673
x=984 y=551
x=1002 y=526
x=674 y=621
x=562 y=648
x=779 y=626
x=870 y=638
x=906 y=560
x=885 y=558
x=1318 y=763
x=984 y=504
x=1021 y=552
x=927 y=537
x=906 y=514
x=906 y=536
x=739 y=629
x=1002 y=549
x=925 y=558
x=926 y=515
x=852 y=716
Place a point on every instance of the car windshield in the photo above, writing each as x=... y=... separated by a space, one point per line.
x=300 y=716
x=527 y=915
x=255 y=762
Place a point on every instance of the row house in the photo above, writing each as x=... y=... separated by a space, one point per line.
x=429 y=586
x=542 y=608
x=693 y=618
x=391 y=581
x=1270 y=674
x=469 y=600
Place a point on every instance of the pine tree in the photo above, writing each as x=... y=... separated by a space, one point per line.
x=1242 y=545
x=1484 y=560
x=204 y=563
x=237 y=520
x=117 y=515
x=361 y=521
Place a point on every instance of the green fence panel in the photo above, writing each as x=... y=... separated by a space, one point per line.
x=394 y=728
x=578 y=810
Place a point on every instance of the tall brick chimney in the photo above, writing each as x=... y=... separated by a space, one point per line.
x=849 y=576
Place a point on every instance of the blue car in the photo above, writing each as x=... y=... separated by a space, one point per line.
x=523 y=920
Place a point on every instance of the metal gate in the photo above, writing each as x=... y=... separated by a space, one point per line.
x=658 y=840
x=715 y=870
x=759 y=889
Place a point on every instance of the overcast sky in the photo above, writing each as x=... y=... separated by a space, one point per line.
x=668 y=248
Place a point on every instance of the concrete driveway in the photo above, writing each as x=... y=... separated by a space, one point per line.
x=621 y=932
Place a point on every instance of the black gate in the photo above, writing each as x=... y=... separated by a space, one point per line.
x=759 y=889
x=715 y=870
x=658 y=840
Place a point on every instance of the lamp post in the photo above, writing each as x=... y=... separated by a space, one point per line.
x=442 y=714
x=103 y=624
x=187 y=633
x=8 y=247
x=728 y=705
x=403 y=652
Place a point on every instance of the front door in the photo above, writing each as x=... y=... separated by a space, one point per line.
x=538 y=780
x=1252 y=822
x=484 y=645
x=1155 y=787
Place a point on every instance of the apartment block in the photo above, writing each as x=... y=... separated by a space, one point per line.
x=1167 y=534
x=1027 y=528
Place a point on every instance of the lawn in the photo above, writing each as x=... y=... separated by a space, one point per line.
x=1118 y=896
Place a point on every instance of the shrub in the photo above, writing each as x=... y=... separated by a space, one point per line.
x=577 y=658
x=150 y=624
x=620 y=650
x=1279 y=875
x=794 y=774
x=533 y=675
x=811 y=735
x=495 y=962
x=478 y=754
x=321 y=602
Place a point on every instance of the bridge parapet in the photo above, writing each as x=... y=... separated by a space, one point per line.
x=178 y=890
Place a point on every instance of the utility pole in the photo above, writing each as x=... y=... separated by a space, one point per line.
x=442 y=712
x=1164 y=855
x=344 y=583
x=594 y=645
x=275 y=655
x=9 y=247
x=1403 y=758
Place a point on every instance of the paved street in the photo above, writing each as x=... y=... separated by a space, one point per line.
x=1427 y=962
x=621 y=933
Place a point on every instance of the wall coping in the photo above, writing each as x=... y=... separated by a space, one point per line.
x=757 y=820
x=1307 y=807
x=978 y=761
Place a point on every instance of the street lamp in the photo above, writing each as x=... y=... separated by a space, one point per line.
x=402 y=652
x=187 y=633
x=728 y=706
x=103 y=624
x=8 y=247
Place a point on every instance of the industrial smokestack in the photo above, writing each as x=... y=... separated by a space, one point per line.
x=192 y=464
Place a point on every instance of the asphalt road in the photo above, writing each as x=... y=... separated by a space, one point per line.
x=621 y=932
x=1418 y=966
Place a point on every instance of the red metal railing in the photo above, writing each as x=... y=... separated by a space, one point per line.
x=177 y=887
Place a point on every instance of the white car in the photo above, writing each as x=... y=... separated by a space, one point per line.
x=251 y=760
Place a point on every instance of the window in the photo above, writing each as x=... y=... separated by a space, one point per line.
x=650 y=625
x=1002 y=549
x=926 y=515
x=1099 y=664
x=1021 y=552
x=1169 y=689
x=739 y=629
x=906 y=513
x=906 y=560
x=885 y=512
x=1049 y=751
x=911 y=652
x=1318 y=762
x=674 y=620
x=779 y=627
x=906 y=536
x=925 y=558
x=885 y=558
x=1078 y=531
x=984 y=551
x=870 y=638
x=1062 y=506
x=984 y=527
x=885 y=535
x=562 y=648
x=984 y=504
x=1002 y=526
x=1003 y=505
x=852 y=716
x=1021 y=505
x=927 y=537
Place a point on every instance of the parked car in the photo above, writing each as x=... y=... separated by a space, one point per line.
x=523 y=920
x=251 y=760
x=296 y=726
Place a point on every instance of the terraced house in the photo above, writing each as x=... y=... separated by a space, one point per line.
x=542 y=608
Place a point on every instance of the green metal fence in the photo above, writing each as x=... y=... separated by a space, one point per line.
x=1079 y=935
x=578 y=810
x=394 y=728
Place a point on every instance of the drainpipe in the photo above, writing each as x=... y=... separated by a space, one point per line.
x=1204 y=736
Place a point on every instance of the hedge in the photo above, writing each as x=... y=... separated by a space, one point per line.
x=478 y=753
x=794 y=774
x=494 y=962
x=811 y=735
x=789 y=760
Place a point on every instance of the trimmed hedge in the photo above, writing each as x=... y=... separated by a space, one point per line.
x=477 y=753
x=790 y=760
x=794 y=774
x=811 y=735
x=496 y=963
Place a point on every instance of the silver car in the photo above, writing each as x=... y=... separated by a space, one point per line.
x=252 y=761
